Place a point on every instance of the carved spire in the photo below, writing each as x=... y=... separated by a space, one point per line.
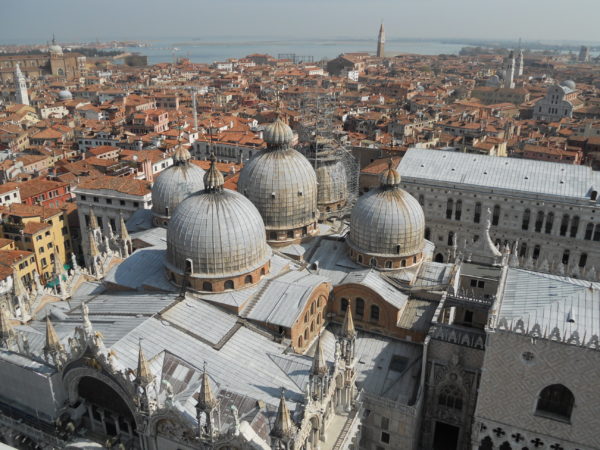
x=319 y=366
x=7 y=331
x=93 y=246
x=123 y=229
x=143 y=376
x=348 y=330
x=283 y=427
x=93 y=221
x=206 y=398
x=53 y=344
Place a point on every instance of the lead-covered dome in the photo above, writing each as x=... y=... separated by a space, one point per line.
x=217 y=238
x=282 y=184
x=174 y=185
x=387 y=226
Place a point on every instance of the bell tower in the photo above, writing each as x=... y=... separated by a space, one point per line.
x=381 y=42
x=20 y=86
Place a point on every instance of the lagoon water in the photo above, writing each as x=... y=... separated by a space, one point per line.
x=211 y=50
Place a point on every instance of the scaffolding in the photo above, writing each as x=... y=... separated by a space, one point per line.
x=320 y=136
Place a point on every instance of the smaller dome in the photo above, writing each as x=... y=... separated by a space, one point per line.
x=65 y=95
x=181 y=155
x=390 y=177
x=569 y=84
x=278 y=133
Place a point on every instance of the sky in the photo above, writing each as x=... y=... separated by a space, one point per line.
x=86 y=20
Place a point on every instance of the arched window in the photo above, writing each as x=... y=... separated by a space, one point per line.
x=312 y=326
x=477 y=214
x=305 y=317
x=344 y=304
x=565 y=257
x=403 y=263
x=496 y=215
x=526 y=219
x=597 y=233
x=539 y=221
x=229 y=284
x=589 y=230
x=449 y=208
x=574 y=226
x=273 y=235
x=398 y=248
x=439 y=258
x=248 y=279
x=319 y=319
x=594 y=195
x=360 y=259
x=290 y=234
x=564 y=225
x=312 y=308
x=306 y=334
x=450 y=238
x=374 y=313
x=373 y=262
x=555 y=400
x=451 y=397
x=536 y=252
x=427 y=233
x=388 y=264
x=549 y=222
x=359 y=307
x=189 y=266
x=206 y=286
x=458 y=211
x=300 y=341
x=583 y=260
x=262 y=271
x=421 y=200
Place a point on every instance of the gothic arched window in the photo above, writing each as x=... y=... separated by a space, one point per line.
x=539 y=221
x=555 y=400
x=449 y=208
x=496 y=215
x=549 y=222
x=564 y=225
x=451 y=397
x=574 y=226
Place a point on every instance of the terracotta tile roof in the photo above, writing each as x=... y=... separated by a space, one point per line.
x=35 y=227
x=379 y=165
x=124 y=185
x=10 y=257
x=23 y=210
x=37 y=186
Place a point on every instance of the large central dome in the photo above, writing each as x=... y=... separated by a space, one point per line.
x=174 y=185
x=216 y=238
x=387 y=226
x=282 y=184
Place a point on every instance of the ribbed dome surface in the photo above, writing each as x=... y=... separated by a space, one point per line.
x=384 y=219
x=278 y=133
x=333 y=183
x=221 y=232
x=283 y=186
x=174 y=185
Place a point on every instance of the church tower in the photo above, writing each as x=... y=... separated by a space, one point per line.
x=520 y=64
x=381 y=42
x=20 y=86
x=509 y=71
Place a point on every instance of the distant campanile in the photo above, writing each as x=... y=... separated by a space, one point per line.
x=20 y=86
x=380 y=42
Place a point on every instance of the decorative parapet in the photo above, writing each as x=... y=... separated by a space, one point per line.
x=466 y=337
x=537 y=331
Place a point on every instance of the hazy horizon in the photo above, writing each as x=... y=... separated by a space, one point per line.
x=509 y=20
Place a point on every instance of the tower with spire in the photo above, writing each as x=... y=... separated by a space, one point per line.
x=207 y=406
x=381 y=42
x=509 y=71
x=284 y=429
x=22 y=96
